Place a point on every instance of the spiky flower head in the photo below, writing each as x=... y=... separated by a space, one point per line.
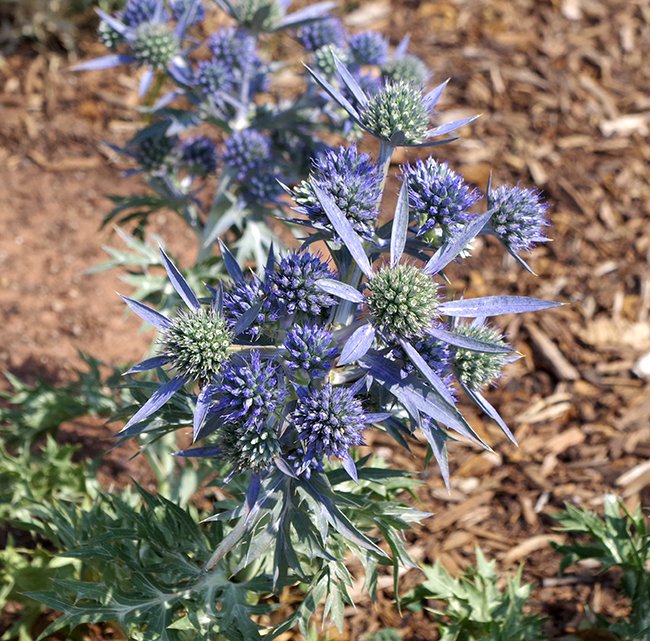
x=438 y=356
x=329 y=421
x=155 y=153
x=309 y=348
x=246 y=151
x=293 y=286
x=262 y=187
x=108 y=36
x=439 y=199
x=179 y=7
x=352 y=180
x=399 y=113
x=213 y=78
x=519 y=218
x=136 y=12
x=234 y=48
x=155 y=45
x=199 y=156
x=249 y=390
x=259 y=15
x=197 y=344
x=407 y=68
x=368 y=48
x=402 y=301
x=317 y=34
x=252 y=448
x=478 y=369
x=324 y=58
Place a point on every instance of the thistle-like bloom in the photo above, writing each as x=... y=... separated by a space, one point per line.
x=479 y=369
x=152 y=43
x=293 y=285
x=155 y=154
x=199 y=156
x=352 y=180
x=519 y=218
x=252 y=448
x=261 y=187
x=398 y=115
x=247 y=151
x=271 y=15
x=369 y=48
x=138 y=11
x=325 y=58
x=317 y=34
x=179 y=7
x=310 y=349
x=241 y=296
x=194 y=344
x=402 y=301
x=439 y=199
x=406 y=68
x=234 y=48
x=214 y=79
x=249 y=390
x=329 y=422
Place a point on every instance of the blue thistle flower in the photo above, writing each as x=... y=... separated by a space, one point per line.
x=138 y=11
x=155 y=153
x=253 y=448
x=329 y=421
x=259 y=15
x=519 y=217
x=261 y=187
x=247 y=151
x=179 y=7
x=249 y=390
x=108 y=36
x=240 y=297
x=352 y=180
x=199 y=155
x=214 y=79
x=438 y=356
x=479 y=369
x=155 y=45
x=439 y=199
x=369 y=48
x=324 y=58
x=317 y=34
x=309 y=348
x=235 y=48
x=406 y=68
x=293 y=288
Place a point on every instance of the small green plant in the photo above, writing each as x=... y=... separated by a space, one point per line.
x=143 y=559
x=618 y=539
x=474 y=607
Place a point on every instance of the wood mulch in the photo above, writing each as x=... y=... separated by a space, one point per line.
x=565 y=100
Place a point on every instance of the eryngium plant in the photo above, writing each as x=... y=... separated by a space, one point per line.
x=224 y=178
x=284 y=375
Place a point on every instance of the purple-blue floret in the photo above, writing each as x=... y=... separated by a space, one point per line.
x=235 y=48
x=214 y=79
x=352 y=180
x=519 y=218
x=246 y=151
x=438 y=197
x=250 y=389
x=369 y=48
x=329 y=421
x=240 y=297
x=329 y=31
x=138 y=11
x=199 y=155
x=293 y=288
x=179 y=7
x=309 y=348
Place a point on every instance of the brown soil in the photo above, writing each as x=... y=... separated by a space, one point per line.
x=565 y=99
